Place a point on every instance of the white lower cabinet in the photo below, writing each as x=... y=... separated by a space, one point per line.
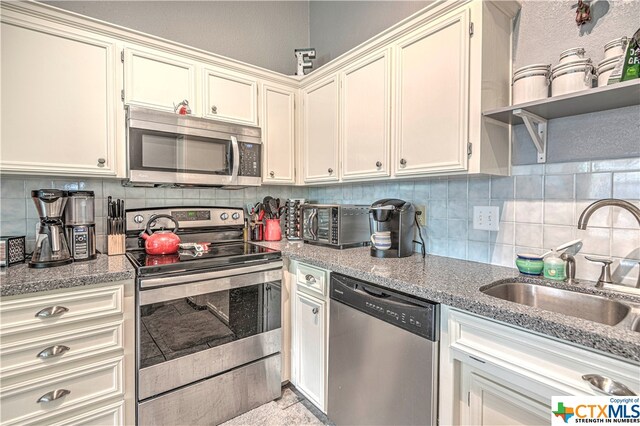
x=67 y=365
x=309 y=348
x=494 y=374
x=492 y=402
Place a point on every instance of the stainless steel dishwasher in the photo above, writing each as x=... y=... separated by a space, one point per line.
x=383 y=356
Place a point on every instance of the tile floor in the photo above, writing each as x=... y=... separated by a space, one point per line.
x=292 y=409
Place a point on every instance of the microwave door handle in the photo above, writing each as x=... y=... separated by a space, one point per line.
x=236 y=160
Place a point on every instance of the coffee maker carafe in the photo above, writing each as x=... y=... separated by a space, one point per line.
x=80 y=224
x=396 y=218
x=51 y=245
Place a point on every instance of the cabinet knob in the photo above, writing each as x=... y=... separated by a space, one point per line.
x=315 y=311
x=403 y=162
x=378 y=164
x=272 y=174
x=214 y=109
x=53 y=395
x=310 y=278
x=53 y=351
x=52 y=311
x=607 y=385
x=330 y=170
x=101 y=162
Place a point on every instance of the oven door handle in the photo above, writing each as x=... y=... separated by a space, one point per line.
x=236 y=160
x=204 y=276
x=314 y=233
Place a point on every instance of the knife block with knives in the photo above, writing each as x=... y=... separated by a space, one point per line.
x=115 y=226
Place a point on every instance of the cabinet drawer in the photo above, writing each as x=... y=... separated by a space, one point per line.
x=547 y=363
x=110 y=415
x=36 y=311
x=312 y=280
x=87 y=385
x=58 y=348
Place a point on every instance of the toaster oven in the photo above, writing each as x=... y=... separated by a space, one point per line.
x=336 y=225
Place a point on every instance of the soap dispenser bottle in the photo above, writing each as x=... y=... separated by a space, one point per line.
x=554 y=267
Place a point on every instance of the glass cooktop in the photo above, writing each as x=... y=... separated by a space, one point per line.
x=216 y=256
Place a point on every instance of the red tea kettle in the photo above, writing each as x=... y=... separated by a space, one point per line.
x=160 y=242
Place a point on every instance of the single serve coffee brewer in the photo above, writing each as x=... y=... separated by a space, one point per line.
x=392 y=224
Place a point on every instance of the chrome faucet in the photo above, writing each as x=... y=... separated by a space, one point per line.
x=605 y=277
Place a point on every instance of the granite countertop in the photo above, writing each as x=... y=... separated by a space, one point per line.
x=457 y=283
x=20 y=279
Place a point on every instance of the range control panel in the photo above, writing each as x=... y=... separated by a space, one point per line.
x=414 y=315
x=187 y=217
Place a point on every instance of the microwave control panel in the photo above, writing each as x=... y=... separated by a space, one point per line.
x=334 y=225
x=250 y=159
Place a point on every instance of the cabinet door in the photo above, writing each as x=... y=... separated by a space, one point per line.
x=230 y=97
x=490 y=403
x=320 y=138
x=366 y=117
x=278 y=134
x=59 y=92
x=432 y=98
x=309 y=347
x=159 y=81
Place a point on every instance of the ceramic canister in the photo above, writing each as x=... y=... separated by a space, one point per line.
x=615 y=47
x=605 y=68
x=531 y=83
x=571 y=77
x=573 y=54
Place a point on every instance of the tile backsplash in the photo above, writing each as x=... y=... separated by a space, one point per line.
x=539 y=208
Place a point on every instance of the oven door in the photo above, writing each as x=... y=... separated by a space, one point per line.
x=317 y=224
x=203 y=327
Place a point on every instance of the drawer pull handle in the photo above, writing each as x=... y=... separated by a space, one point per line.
x=53 y=351
x=52 y=311
x=310 y=278
x=607 y=385
x=315 y=311
x=53 y=395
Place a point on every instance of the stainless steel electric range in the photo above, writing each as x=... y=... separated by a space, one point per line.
x=208 y=334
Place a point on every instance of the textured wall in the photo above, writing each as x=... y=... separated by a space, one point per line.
x=338 y=26
x=542 y=30
x=262 y=33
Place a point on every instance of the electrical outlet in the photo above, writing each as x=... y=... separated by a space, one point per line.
x=422 y=217
x=486 y=218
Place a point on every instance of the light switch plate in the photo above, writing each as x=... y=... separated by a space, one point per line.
x=486 y=218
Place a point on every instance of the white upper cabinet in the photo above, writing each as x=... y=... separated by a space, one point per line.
x=230 y=97
x=278 y=134
x=320 y=131
x=432 y=94
x=157 y=80
x=59 y=92
x=366 y=117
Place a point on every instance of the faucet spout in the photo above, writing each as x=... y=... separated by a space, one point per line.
x=586 y=214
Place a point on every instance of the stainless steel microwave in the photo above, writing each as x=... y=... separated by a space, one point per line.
x=336 y=225
x=173 y=149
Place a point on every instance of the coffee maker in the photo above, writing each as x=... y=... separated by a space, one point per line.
x=397 y=217
x=51 y=245
x=80 y=224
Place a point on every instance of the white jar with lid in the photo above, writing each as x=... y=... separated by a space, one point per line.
x=605 y=69
x=615 y=47
x=573 y=54
x=571 y=77
x=531 y=83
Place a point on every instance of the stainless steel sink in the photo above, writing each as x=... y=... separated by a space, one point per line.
x=580 y=305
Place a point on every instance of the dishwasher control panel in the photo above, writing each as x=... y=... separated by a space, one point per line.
x=414 y=315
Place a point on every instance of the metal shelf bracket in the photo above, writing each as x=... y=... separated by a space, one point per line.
x=538 y=133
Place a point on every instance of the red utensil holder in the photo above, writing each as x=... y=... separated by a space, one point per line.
x=272 y=230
